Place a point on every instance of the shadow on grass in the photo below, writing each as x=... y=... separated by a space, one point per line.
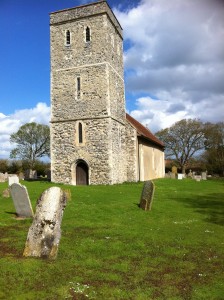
x=11 y=213
x=211 y=205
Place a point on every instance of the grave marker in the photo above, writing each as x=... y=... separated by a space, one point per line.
x=180 y=176
x=147 y=195
x=197 y=177
x=21 y=200
x=44 y=234
x=204 y=175
x=13 y=179
x=174 y=169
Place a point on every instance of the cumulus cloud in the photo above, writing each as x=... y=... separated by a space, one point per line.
x=11 y=123
x=174 y=51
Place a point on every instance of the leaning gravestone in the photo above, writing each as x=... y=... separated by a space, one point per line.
x=13 y=179
x=44 y=234
x=147 y=195
x=21 y=200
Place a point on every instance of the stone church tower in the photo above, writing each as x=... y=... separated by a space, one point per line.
x=87 y=96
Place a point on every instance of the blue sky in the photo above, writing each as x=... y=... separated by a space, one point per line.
x=173 y=58
x=24 y=54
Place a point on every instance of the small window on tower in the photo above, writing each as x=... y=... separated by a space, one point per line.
x=80 y=133
x=87 y=34
x=78 y=83
x=68 y=38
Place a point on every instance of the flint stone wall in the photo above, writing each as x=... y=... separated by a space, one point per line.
x=101 y=105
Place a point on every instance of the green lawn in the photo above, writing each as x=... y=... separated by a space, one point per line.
x=111 y=249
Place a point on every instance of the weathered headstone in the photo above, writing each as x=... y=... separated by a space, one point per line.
x=204 y=175
x=190 y=174
x=13 y=179
x=147 y=195
x=44 y=234
x=21 y=200
x=2 y=177
x=174 y=169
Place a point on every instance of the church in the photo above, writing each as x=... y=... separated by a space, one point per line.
x=93 y=140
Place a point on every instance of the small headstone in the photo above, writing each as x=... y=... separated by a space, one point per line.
x=44 y=234
x=13 y=179
x=2 y=177
x=174 y=169
x=204 y=175
x=197 y=177
x=179 y=176
x=21 y=200
x=147 y=195
x=190 y=174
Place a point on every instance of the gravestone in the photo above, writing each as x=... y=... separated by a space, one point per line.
x=174 y=169
x=21 y=200
x=204 y=175
x=44 y=234
x=13 y=179
x=197 y=177
x=147 y=195
x=180 y=176
x=2 y=177
x=190 y=174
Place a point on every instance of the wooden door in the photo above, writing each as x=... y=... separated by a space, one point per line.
x=82 y=177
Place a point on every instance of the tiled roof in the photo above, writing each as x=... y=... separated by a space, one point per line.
x=143 y=131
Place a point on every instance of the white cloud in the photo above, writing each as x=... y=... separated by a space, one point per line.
x=11 y=123
x=174 y=51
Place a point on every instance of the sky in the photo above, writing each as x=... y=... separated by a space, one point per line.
x=173 y=61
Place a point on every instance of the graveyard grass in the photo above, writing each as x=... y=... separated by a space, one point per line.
x=111 y=249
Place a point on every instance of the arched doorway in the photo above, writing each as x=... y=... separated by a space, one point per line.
x=82 y=173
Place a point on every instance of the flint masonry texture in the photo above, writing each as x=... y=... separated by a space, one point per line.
x=100 y=108
x=87 y=91
x=44 y=234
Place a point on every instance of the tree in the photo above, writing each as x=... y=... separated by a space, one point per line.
x=183 y=140
x=33 y=141
x=214 y=143
x=3 y=165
